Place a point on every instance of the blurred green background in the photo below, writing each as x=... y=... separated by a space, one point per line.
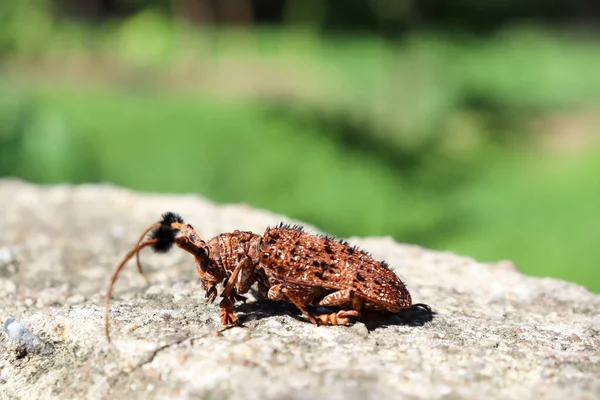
x=458 y=125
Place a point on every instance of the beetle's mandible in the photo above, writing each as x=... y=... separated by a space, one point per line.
x=287 y=264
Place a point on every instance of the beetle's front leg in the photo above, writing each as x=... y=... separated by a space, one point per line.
x=227 y=315
x=230 y=295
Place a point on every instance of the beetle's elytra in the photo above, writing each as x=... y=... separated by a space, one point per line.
x=287 y=264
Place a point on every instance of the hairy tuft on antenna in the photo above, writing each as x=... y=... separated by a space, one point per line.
x=165 y=236
x=165 y=233
x=169 y=217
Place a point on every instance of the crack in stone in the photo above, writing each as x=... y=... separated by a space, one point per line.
x=155 y=352
x=115 y=378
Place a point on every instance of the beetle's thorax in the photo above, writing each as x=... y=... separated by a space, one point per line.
x=228 y=249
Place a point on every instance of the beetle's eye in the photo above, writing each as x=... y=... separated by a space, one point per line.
x=204 y=265
x=204 y=262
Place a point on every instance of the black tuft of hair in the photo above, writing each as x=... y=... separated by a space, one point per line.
x=169 y=217
x=325 y=236
x=283 y=225
x=365 y=252
x=166 y=238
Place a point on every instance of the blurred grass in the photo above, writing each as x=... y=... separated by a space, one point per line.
x=438 y=141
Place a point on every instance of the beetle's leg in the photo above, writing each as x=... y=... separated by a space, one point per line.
x=230 y=295
x=340 y=298
x=281 y=292
x=342 y=317
x=227 y=315
x=232 y=279
x=211 y=293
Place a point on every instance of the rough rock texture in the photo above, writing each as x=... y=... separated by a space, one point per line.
x=497 y=334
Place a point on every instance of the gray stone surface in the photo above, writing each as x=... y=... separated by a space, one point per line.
x=498 y=334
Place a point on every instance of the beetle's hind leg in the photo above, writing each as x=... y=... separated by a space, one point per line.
x=341 y=298
x=342 y=317
x=302 y=297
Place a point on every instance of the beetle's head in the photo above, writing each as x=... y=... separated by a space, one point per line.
x=161 y=236
x=171 y=231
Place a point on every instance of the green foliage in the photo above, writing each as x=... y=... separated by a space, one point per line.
x=539 y=210
x=227 y=151
x=25 y=25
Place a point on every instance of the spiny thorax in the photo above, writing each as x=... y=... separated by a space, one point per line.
x=229 y=249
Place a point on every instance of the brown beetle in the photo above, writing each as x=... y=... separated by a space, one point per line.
x=287 y=264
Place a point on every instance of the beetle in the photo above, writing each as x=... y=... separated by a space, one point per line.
x=287 y=264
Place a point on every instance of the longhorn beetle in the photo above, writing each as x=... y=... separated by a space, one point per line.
x=287 y=264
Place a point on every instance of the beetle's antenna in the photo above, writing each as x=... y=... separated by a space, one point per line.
x=137 y=254
x=113 y=280
x=161 y=239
